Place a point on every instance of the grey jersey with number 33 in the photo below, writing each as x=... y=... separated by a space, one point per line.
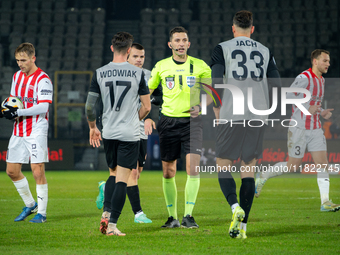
x=119 y=85
x=246 y=64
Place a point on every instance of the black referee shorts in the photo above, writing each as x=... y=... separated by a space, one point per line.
x=174 y=132
x=239 y=141
x=121 y=153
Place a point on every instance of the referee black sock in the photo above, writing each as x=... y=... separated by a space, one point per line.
x=228 y=186
x=247 y=192
x=118 y=201
x=133 y=194
x=109 y=188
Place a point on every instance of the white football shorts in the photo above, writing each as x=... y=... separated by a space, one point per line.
x=29 y=148
x=300 y=139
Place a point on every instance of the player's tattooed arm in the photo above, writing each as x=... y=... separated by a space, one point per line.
x=90 y=109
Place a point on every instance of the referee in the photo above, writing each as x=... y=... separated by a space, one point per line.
x=180 y=120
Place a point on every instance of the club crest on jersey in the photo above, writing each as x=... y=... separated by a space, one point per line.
x=191 y=80
x=170 y=82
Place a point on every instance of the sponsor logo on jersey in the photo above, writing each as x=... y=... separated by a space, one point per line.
x=34 y=146
x=317 y=98
x=191 y=80
x=170 y=82
x=29 y=100
x=46 y=92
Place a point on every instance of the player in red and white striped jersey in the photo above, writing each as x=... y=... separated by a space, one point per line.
x=308 y=131
x=33 y=90
x=315 y=85
x=28 y=142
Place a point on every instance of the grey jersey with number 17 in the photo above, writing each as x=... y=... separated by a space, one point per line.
x=119 y=85
x=246 y=64
x=141 y=126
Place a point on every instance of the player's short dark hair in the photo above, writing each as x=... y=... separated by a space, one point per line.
x=26 y=47
x=243 y=19
x=137 y=46
x=316 y=53
x=177 y=30
x=122 y=41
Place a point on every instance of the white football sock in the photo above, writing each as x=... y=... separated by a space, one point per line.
x=275 y=170
x=42 y=195
x=243 y=226
x=24 y=191
x=112 y=225
x=233 y=207
x=138 y=214
x=323 y=183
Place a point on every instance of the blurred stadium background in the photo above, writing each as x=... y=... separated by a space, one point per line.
x=75 y=36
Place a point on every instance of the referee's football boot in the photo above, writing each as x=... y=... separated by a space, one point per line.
x=100 y=197
x=329 y=206
x=259 y=183
x=238 y=216
x=171 y=223
x=38 y=219
x=26 y=211
x=189 y=222
x=242 y=235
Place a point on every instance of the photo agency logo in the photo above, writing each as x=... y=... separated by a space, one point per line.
x=204 y=97
x=238 y=105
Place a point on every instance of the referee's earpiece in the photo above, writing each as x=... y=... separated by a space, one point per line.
x=173 y=48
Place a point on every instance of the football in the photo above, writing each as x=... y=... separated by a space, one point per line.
x=11 y=101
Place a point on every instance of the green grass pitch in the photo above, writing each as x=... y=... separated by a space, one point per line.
x=286 y=219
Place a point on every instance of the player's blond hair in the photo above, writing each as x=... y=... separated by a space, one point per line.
x=26 y=47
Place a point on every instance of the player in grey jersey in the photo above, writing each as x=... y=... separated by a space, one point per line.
x=121 y=86
x=242 y=63
x=136 y=58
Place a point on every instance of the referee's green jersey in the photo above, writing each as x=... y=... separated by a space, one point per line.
x=180 y=82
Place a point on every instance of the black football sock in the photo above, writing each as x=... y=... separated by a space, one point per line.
x=109 y=188
x=133 y=194
x=228 y=186
x=118 y=201
x=247 y=192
